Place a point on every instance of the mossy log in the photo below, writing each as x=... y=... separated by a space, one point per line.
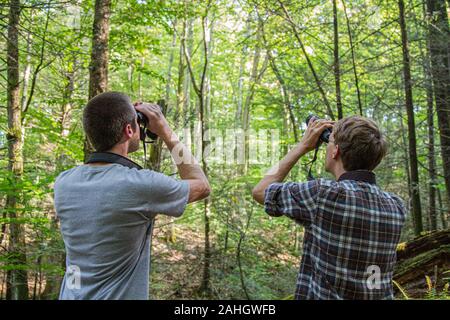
x=426 y=255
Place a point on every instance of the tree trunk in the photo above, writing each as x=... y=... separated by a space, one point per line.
x=17 y=284
x=200 y=91
x=308 y=60
x=187 y=44
x=254 y=79
x=283 y=85
x=54 y=279
x=240 y=88
x=439 y=39
x=179 y=112
x=432 y=174
x=431 y=160
x=207 y=34
x=442 y=210
x=98 y=69
x=415 y=193
x=170 y=64
x=336 y=67
x=27 y=70
x=352 y=50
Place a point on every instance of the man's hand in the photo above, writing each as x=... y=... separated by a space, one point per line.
x=313 y=132
x=157 y=123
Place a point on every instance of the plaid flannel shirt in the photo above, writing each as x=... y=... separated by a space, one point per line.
x=352 y=229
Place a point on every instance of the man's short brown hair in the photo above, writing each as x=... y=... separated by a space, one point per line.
x=104 y=118
x=361 y=143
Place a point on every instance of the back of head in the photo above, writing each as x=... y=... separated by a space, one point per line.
x=104 y=118
x=361 y=143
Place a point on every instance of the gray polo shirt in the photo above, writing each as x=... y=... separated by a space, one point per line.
x=106 y=214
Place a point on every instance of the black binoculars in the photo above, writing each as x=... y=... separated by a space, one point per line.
x=143 y=124
x=325 y=136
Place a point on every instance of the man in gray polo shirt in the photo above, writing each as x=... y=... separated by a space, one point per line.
x=106 y=210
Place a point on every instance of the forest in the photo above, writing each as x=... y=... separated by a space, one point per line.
x=227 y=73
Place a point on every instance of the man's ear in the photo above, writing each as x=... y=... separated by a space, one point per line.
x=128 y=131
x=336 y=152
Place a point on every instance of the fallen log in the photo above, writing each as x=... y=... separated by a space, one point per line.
x=422 y=263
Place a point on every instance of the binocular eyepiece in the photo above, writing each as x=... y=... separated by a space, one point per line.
x=325 y=136
x=143 y=131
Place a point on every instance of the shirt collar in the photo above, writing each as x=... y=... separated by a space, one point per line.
x=359 y=175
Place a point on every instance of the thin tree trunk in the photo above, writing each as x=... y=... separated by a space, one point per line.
x=336 y=66
x=432 y=174
x=180 y=82
x=431 y=159
x=253 y=81
x=98 y=69
x=199 y=89
x=169 y=68
x=439 y=39
x=308 y=60
x=442 y=211
x=27 y=70
x=52 y=283
x=188 y=45
x=171 y=236
x=352 y=50
x=240 y=89
x=283 y=85
x=17 y=278
x=415 y=193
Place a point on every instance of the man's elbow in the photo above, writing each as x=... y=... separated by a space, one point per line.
x=206 y=190
x=199 y=190
x=258 y=195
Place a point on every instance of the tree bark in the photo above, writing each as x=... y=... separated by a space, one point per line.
x=442 y=210
x=352 y=50
x=98 y=69
x=170 y=64
x=255 y=78
x=240 y=88
x=439 y=39
x=200 y=91
x=17 y=284
x=432 y=174
x=415 y=193
x=336 y=66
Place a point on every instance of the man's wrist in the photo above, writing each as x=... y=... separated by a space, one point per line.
x=167 y=135
x=302 y=149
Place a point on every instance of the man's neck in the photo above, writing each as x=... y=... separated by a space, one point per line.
x=338 y=172
x=120 y=149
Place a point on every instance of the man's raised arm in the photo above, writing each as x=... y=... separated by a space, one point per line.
x=188 y=167
x=278 y=172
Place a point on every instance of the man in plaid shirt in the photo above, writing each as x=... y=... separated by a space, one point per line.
x=352 y=227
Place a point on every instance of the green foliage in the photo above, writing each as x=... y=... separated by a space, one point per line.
x=145 y=64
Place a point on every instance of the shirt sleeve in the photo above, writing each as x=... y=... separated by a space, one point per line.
x=298 y=201
x=161 y=194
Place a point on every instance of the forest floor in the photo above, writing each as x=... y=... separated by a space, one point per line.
x=177 y=269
